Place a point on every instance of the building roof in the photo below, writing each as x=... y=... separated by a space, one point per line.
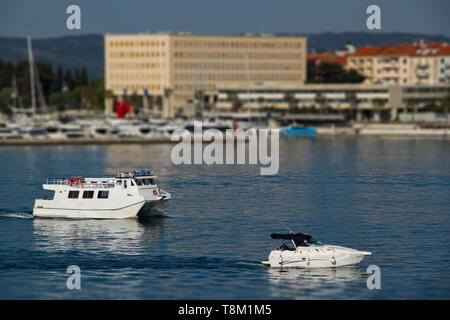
x=405 y=49
x=328 y=57
x=368 y=51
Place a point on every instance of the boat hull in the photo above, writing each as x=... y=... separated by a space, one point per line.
x=143 y=208
x=153 y=208
x=311 y=258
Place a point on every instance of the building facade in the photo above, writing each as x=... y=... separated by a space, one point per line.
x=366 y=98
x=173 y=69
x=402 y=64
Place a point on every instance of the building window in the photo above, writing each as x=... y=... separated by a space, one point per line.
x=88 y=194
x=74 y=194
x=103 y=194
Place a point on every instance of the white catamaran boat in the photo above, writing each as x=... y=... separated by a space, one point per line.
x=127 y=195
x=310 y=253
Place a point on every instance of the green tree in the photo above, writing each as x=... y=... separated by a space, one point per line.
x=412 y=105
x=289 y=98
x=199 y=97
x=58 y=80
x=350 y=97
x=84 y=77
x=445 y=104
x=329 y=72
x=261 y=101
x=5 y=101
x=320 y=99
x=68 y=80
x=7 y=71
x=158 y=102
x=378 y=105
x=60 y=100
x=77 y=78
x=134 y=101
x=233 y=98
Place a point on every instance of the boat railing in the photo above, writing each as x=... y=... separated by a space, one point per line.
x=81 y=184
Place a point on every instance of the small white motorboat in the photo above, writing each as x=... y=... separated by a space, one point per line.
x=310 y=253
x=127 y=195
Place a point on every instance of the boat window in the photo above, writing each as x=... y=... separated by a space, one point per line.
x=139 y=182
x=88 y=194
x=74 y=194
x=103 y=194
x=145 y=182
x=124 y=183
x=152 y=181
x=131 y=182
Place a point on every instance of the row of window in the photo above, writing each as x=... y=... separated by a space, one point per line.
x=153 y=65
x=89 y=194
x=239 y=44
x=239 y=66
x=195 y=87
x=241 y=76
x=117 y=87
x=212 y=44
x=209 y=55
x=238 y=55
x=135 y=76
x=134 y=54
x=137 y=43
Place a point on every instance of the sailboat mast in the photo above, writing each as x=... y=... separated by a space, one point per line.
x=162 y=80
x=31 y=64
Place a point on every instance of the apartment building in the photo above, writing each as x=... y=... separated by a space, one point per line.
x=443 y=59
x=402 y=64
x=176 y=68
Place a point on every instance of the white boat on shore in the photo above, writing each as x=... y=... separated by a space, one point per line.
x=310 y=253
x=127 y=195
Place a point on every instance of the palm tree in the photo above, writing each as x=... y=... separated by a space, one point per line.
x=167 y=93
x=412 y=104
x=199 y=97
x=233 y=98
x=108 y=94
x=159 y=101
x=378 y=104
x=320 y=99
x=261 y=101
x=350 y=97
x=134 y=101
x=445 y=103
x=289 y=98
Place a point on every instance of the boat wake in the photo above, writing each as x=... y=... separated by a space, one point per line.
x=25 y=214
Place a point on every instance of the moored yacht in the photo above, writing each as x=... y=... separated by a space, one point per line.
x=126 y=195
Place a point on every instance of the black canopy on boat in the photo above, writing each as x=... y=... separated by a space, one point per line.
x=298 y=238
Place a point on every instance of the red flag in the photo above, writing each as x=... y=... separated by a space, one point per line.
x=234 y=125
x=119 y=110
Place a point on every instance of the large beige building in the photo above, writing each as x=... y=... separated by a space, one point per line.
x=172 y=68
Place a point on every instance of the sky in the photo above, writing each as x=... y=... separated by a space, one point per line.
x=47 y=18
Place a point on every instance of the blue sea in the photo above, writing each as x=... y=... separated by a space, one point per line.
x=390 y=196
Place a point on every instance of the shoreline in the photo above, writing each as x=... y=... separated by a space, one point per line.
x=320 y=132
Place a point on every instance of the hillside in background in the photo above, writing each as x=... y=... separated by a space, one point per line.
x=70 y=52
x=87 y=50
x=333 y=41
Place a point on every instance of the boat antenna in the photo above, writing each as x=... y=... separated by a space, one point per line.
x=290 y=230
